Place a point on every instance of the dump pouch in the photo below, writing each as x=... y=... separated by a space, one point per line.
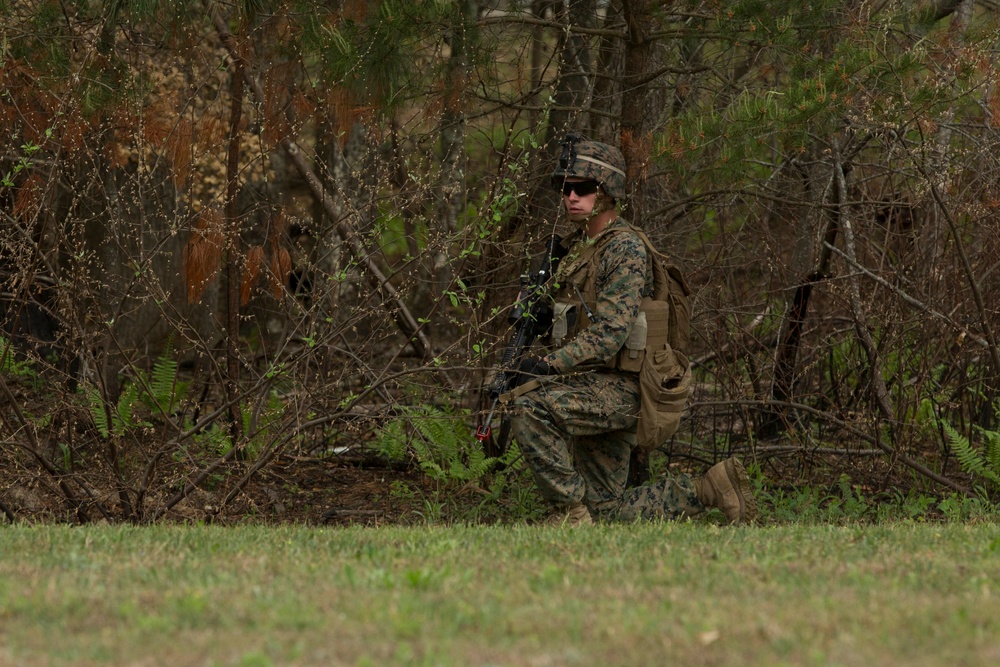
x=664 y=383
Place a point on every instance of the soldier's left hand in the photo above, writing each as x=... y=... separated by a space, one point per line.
x=533 y=367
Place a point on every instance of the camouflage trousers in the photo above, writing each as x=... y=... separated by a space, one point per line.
x=577 y=433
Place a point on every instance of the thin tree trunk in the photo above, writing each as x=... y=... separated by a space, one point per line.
x=634 y=131
x=797 y=313
x=982 y=312
x=934 y=235
x=538 y=8
x=880 y=392
x=233 y=256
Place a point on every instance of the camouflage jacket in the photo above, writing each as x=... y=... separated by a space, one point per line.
x=622 y=278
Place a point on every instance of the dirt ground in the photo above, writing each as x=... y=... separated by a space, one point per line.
x=332 y=492
x=301 y=491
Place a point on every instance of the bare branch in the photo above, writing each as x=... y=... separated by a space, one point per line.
x=923 y=307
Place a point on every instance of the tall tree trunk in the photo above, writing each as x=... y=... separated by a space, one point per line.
x=634 y=131
x=797 y=309
x=451 y=200
x=233 y=255
x=575 y=82
x=538 y=9
x=606 y=99
x=935 y=234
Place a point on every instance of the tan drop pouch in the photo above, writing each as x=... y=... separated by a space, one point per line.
x=664 y=383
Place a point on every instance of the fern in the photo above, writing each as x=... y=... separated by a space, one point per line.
x=439 y=441
x=163 y=381
x=268 y=419
x=158 y=392
x=121 y=417
x=991 y=447
x=9 y=365
x=96 y=405
x=392 y=440
x=121 y=414
x=993 y=442
x=969 y=458
x=214 y=440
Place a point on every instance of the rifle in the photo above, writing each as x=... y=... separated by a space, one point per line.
x=531 y=315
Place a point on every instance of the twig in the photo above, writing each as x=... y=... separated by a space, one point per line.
x=857 y=311
x=970 y=276
x=194 y=483
x=916 y=303
x=833 y=451
x=35 y=451
x=336 y=513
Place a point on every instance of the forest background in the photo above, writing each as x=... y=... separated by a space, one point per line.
x=256 y=257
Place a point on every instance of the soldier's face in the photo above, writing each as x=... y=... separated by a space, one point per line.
x=579 y=197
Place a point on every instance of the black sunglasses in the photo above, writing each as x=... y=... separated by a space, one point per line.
x=581 y=188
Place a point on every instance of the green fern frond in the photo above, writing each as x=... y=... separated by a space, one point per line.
x=432 y=469
x=991 y=445
x=967 y=456
x=6 y=355
x=215 y=440
x=9 y=365
x=440 y=441
x=392 y=442
x=121 y=418
x=96 y=405
x=163 y=381
x=478 y=463
x=267 y=419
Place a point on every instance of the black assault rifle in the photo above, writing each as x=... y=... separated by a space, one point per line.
x=532 y=316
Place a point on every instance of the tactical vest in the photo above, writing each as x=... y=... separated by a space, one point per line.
x=664 y=316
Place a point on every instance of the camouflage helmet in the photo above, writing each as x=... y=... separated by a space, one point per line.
x=591 y=160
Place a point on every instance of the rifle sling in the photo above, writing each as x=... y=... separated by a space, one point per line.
x=520 y=390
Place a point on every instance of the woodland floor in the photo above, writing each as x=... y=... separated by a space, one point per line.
x=357 y=488
x=329 y=492
x=298 y=490
x=340 y=492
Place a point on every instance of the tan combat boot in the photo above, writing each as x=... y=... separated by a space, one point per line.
x=726 y=485
x=571 y=516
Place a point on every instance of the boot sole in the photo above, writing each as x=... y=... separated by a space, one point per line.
x=740 y=480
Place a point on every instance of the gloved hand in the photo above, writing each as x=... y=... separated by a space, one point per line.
x=532 y=367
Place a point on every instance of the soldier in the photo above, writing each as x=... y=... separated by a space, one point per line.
x=576 y=421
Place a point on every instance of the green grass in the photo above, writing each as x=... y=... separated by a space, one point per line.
x=689 y=593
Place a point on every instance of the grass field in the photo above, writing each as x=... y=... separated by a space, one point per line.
x=904 y=593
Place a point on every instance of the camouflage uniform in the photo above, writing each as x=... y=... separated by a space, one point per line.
x=577 y=429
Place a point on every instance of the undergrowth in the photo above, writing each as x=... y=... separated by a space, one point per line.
x=845 y=503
